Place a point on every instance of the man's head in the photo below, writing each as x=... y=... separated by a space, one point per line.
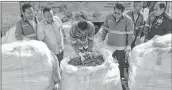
x=118 y=9
x=28 y=11
x=48 y=14
x=159 y=8
x=138 y=6
x=145 y=4
x=82 y=25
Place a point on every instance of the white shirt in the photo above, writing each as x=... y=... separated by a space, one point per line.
x=51 y=34
x=145 y=13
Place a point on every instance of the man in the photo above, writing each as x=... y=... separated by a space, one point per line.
x=82 y=36
x=120 y=29
x=138 y=20
x=27 y=26
x=158 y=21
x=50 y=32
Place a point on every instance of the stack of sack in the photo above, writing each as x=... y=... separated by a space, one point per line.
x=150 y=65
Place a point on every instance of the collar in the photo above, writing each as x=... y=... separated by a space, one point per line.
x=162 y=15
x=122 y=16
x=46 y=23
x=25 y=19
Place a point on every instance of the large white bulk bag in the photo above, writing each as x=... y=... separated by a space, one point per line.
x=102 y=77
x=28 y=65
x=10 y=36
x=150 y=65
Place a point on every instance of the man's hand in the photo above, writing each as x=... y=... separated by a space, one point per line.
x=19 y=37
x=155 y=36
x=128 y=49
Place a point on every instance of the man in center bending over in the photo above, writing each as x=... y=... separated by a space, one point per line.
x=82 y=36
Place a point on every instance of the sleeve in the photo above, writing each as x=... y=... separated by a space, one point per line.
x=73 y=39
x=18 y=31
x=61 y=43
x=91 y=37
x=40 y=32
x=104 y=31
x=141 y=27
x=147 y=26
x=130 y=31
x=60 y=22
x=56 y=69
x=72 y=34
x=168 y=28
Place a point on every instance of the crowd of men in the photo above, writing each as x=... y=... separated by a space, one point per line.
x=121 y=31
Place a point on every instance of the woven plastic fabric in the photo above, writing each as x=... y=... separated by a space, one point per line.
x=103 y=77
x=27 y=65
x=10 y=36
x=150 y=65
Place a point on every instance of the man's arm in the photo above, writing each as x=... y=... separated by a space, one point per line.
x=141 y=27
x=59 y=34
x=62 y=30
x=56 y=69
x=60 y=39
x=40 y=32
x=73 y=39
x=91 y=37
x=18 y=32
x=168 y=28
x=147 y=26
x=104 y=31
x=130 y=31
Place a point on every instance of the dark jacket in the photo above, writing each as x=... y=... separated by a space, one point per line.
x=138 y=24
x=160 y=25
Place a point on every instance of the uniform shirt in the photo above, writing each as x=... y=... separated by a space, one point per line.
x=82 y=39
x=117 y=32
x=25 y=29
x=160 y=25
x=51 y=34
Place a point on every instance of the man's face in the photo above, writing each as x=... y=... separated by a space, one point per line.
x=117 y=13
x=157 y=10
x=138 y=6
x=48 y=16
x=144 y=4
x=29 y=13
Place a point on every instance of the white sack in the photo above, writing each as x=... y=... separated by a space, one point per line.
x=10 y=36
x=103 y=77
x=150 y=65
x=27 y=65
